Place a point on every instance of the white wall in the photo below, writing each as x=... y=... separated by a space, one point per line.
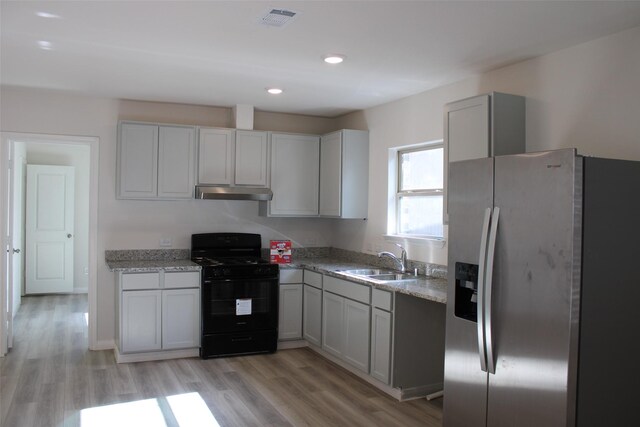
x=586 y=96
x=127 y=224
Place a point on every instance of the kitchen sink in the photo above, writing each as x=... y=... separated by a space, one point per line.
x=367 y=272
x=378 y=274
x=392 y=276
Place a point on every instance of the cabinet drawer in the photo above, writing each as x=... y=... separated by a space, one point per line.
x=382 y=299
x=182 y=279
x=350 y=290
x=290 y=276
x=312 y=278
x=132 y=281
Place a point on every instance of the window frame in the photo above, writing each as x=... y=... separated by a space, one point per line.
x=399 y=193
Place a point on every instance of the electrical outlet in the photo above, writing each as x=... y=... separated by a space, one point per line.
x=165 y=242
x=86 y=271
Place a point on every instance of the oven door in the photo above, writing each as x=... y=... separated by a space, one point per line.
x=234 y=305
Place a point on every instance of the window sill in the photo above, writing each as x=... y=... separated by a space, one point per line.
x=438 y=242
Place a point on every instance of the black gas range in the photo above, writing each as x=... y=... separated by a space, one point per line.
x=239 y=295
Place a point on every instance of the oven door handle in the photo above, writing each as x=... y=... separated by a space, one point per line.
x=241 y=339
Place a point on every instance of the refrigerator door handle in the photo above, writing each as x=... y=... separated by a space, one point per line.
x=482 y=348
x=491 y=365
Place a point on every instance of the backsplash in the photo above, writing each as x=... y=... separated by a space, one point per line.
x=147 y=254
x=432 y=270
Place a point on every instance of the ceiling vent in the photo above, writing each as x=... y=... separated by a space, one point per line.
x=278 y=17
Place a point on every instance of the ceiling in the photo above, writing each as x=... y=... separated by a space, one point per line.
x=219 y=53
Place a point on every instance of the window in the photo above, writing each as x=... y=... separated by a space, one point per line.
x=419 y=195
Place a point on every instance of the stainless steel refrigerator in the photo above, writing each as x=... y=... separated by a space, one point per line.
x=543 y=292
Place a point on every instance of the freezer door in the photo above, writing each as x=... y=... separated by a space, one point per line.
x=465 y=384
x=535 y=289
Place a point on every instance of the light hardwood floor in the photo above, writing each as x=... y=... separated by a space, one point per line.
x=50 y=378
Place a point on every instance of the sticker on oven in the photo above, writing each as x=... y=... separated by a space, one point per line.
x=243 y=306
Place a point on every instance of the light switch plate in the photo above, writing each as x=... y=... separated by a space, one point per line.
x=165 y=242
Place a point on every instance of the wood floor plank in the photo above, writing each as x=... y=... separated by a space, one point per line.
x=50 y=377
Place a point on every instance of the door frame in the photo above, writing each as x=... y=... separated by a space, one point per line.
x=6 y=141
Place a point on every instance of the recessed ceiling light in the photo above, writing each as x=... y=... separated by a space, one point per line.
x=334 y=59
x=274 y=91
x=45 y=45
x=47 y=15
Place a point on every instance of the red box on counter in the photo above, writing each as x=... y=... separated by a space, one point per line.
x=280 y=252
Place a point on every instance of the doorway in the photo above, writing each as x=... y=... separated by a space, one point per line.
x=79 y=154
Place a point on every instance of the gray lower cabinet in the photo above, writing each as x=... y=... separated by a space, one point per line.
x=381 y=345
x=312 y=308
x=346 y=321
x=290 y=313
x=381 y=334
x=290 y=305
x=333 y=324
x=356 y=327
x=158 y=311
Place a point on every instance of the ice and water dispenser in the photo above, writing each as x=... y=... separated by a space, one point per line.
x=466 y=305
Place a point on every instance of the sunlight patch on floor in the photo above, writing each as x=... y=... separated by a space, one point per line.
x=183 y=410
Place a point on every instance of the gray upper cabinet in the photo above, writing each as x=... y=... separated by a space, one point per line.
x=483 y=126
x=252 y=155
x=233 y=157
x=155 y=161
x=344 y=174
x=295 y=167
x=215 y=156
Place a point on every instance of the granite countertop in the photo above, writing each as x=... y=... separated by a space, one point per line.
x=425 y=287
x=144 y=260
x=141 y=266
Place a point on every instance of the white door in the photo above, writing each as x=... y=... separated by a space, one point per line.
x=49 y=229
x=17 y=236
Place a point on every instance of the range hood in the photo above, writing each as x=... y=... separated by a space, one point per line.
x=213 y=192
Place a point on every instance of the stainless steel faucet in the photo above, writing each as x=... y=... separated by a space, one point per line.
x=402 y=261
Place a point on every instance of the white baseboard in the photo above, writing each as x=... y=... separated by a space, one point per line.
x=103 y=345
x=284 y=345
x=393 y=392
x=155 y=355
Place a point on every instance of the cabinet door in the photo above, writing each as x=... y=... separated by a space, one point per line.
x=381 y=345
x=467 y=129
x=466 y=135
x=356 y=328
x=251 y=158
x=331 y=174
x=215 y=156
x=290 y=312
x=333 y=324
x=180 y=318
x=295 y=168
x=312 y=311
x=141 y=321
x=176 y=162
x=137 y=161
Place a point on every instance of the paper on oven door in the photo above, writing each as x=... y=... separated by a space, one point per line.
x=243 y=306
